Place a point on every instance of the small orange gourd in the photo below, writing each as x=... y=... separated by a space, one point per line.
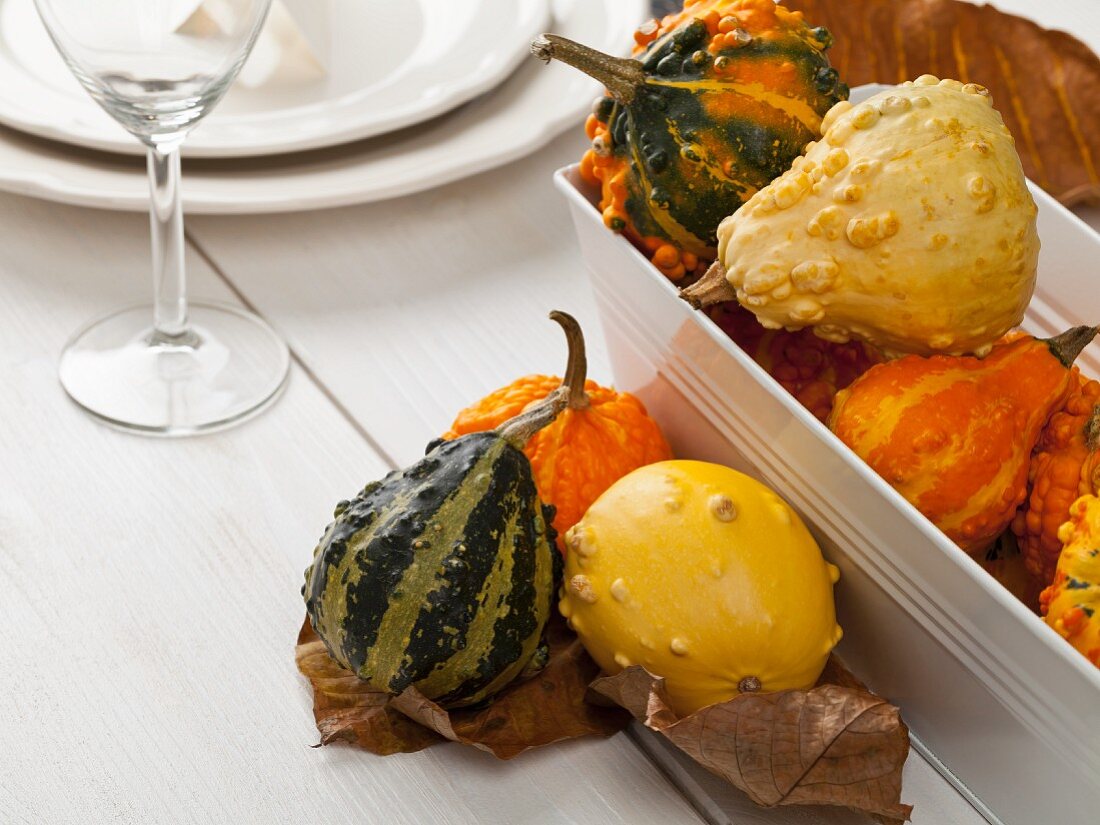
x=1064 y=466
x=810 y=368
x=954 y=434
x=1071 y=604
x=600 y=437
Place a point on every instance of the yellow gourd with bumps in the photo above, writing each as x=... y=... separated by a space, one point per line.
x=909 y=225
x=703 y=576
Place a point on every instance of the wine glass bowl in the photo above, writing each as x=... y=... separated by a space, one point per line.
x=156 y=66
x=173 y=368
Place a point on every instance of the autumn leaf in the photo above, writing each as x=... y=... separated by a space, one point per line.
x=831 y=745
x=549 y=707
x=1046 y=84
x=345 y=710
x=836 y=674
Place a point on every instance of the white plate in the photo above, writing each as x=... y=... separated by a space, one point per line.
x=388 y=65
x=520 y=116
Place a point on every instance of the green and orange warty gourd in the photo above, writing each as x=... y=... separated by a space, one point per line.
x=705 y=577
x=954 y=434
x=720 y=99
x=908 y=225
x=810 y=368
x=1064 y=467
x=1071 y=604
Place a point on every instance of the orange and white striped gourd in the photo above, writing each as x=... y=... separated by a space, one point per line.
x=953 y=434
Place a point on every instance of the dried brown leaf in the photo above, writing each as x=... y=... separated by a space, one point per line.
x=831 y=745
x=346 y=710
x=836 y=674
x=1046 y=84
x=546 y=708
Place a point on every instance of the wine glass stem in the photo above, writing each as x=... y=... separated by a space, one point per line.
x=166 y=221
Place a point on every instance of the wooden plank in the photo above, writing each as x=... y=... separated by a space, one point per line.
x=151 y=598
x=410 y=309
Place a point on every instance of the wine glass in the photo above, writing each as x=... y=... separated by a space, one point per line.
x=158 y=67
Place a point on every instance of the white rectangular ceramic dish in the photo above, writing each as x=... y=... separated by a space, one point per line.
x=1006 y=709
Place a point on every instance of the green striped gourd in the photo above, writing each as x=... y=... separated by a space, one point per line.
x=442 y=576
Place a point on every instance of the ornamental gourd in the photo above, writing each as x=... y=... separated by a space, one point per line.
x=600 y=436
x=909 y=225
x=1071 y=605
x=720 y=99
x=705 y=577
x=1064 y=467
x=809 y=368
x=441 y=576
x=953 y=434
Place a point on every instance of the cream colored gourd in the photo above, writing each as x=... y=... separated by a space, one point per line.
x=704 y=576
x=908 y=225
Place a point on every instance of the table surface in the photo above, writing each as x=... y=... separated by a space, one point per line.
x=151 y=587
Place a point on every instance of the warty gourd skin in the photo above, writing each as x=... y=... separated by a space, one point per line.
x=909 y=225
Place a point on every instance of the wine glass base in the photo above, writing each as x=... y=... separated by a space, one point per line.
x=230 y=366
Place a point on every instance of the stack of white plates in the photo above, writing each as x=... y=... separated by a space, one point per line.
x=411 y=95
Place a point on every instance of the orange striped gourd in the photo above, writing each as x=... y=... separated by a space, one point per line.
x=953 y=434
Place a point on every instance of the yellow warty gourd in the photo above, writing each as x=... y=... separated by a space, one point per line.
x=703 y=576
x=909 y=225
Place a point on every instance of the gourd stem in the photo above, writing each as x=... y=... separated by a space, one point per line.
x=712 y=288
x=517 y=431
x=576 y=372
x=1067 y=346
x=622 y=76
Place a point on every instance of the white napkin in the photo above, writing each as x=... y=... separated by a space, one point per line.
x=294 y=45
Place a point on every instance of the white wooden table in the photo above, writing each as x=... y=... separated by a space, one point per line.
x=150 y=588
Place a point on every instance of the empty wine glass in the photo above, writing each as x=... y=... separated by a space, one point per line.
x=158 y=67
